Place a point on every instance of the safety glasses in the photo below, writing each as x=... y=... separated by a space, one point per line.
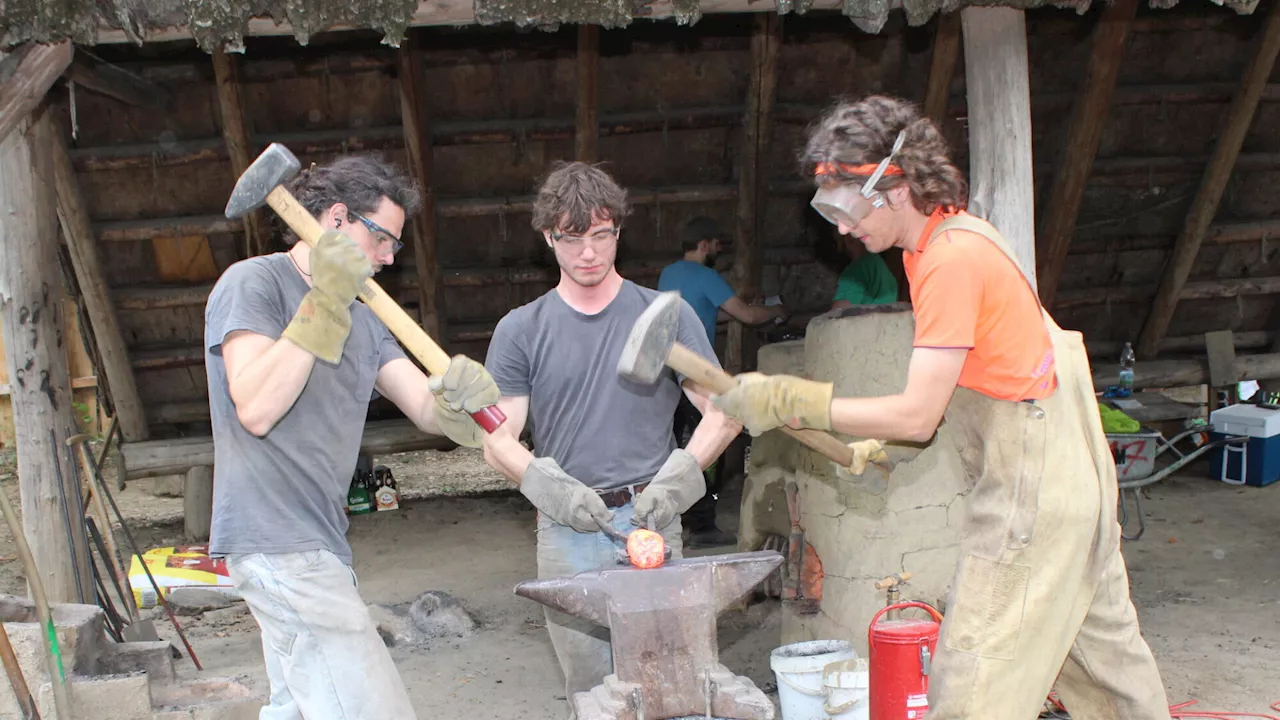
x=847 y=204
x=382 y=235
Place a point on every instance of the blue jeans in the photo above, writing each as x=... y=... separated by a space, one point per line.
x=324 y=657
x=583 y=647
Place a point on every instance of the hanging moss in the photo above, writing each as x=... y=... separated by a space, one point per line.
x=50 y=21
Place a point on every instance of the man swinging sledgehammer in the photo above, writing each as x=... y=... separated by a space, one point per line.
x=1041 y=594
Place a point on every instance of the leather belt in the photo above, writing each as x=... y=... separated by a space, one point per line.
x=621 y=496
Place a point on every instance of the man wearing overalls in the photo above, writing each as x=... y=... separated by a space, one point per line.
x=1040 y=595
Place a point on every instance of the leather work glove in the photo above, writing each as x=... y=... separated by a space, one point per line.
x=867 y=451
x=764 y=402
x=466 y=387
x=323 y=319
x=562 y=498
x=677 y=486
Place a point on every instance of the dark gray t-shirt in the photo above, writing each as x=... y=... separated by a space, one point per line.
x=286 y=492
x=603 y=430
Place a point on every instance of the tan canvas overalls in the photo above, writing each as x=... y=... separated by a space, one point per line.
x=1041 y=593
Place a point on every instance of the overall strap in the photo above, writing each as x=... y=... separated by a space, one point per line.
x=978 y=226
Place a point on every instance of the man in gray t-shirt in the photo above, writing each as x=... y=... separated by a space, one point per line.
x=605 y=451
x=292 y=363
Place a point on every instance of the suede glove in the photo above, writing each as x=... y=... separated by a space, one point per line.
x=677 y=486
x=323 y=319
x=764 y=402
x=562 y=498
x=867 y=451
x=466 y=387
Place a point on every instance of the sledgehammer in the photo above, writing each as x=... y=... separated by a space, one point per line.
x=652 y=345
x=263 y=183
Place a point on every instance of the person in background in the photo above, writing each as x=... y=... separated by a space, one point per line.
x=866 y=280
x=694 y=276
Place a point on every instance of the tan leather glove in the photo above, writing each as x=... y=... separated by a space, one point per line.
x=466 y=387
x=562 y=498
x=864 y=452
x=323 y=319
x=764 y=402
x=677 y=486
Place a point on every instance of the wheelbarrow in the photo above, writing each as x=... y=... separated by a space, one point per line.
x=1135 y=455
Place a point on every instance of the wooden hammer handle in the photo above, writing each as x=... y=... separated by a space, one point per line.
x=415 y=339
x=703 y=372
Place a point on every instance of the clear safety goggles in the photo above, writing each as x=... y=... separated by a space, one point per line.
x=846 y=204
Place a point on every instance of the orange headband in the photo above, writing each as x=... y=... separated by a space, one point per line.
x=830 y=169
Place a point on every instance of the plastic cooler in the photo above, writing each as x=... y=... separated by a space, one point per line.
x=1255 y=462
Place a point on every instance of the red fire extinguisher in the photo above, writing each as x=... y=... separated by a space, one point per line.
x=901 y=655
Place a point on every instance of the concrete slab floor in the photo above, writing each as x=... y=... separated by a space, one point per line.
x=1206 y=581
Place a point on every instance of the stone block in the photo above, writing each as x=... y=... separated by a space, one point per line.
x=170 y=486
x=103 y=697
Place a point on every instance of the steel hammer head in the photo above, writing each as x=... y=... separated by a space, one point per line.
x=275 y=165
x=651 y=340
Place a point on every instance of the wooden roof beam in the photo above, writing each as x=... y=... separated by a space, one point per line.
x=416 y=119
x=28 y=74
x=1235 y=126
x=235 y=133
x=942 y=67
x=586 y=125
x=1075 y=165
x=115 y=82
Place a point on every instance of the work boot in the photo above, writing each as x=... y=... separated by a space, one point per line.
x=711 y=537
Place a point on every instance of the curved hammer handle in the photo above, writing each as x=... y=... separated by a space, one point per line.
x=415 y=339
x=701 y=371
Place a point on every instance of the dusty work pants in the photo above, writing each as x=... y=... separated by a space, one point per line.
x=582 y=647
x=324 y=657
x=1041 y=592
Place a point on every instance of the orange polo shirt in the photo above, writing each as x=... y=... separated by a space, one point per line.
x=966 y=293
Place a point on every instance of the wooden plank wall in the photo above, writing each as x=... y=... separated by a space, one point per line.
x=670 y=103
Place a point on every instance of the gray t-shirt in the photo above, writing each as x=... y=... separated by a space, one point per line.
x=603 y=430
x=286 y=492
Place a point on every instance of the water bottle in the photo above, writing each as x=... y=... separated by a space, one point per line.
x=1127 y=361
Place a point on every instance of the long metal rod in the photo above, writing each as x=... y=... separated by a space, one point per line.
x=114 y=559
x=53 y=653
x=99 y=485
x=66 y=518
x=11 y=668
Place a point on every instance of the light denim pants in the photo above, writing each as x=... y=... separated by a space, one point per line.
x=324 y=657
x=582 y=647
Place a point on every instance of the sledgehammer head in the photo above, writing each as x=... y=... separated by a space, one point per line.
x=651 y=340
x=275 y=165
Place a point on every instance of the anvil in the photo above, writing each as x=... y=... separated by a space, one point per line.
x=662 y=624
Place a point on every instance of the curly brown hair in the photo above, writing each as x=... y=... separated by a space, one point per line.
x=850 y=134
x=571 y=192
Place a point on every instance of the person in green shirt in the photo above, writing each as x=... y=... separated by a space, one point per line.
x=866 y=280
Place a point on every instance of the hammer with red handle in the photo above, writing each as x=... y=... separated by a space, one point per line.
x=263 y=183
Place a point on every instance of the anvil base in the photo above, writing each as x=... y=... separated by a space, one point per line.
x=729 y=697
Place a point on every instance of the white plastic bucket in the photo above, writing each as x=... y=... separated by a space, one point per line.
x=798 y=668
x=848 y=686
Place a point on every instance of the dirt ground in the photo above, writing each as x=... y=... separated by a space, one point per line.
x=1205 y=578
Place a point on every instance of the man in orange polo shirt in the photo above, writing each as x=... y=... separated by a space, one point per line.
x=1040 y=597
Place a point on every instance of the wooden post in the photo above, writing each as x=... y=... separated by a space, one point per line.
x=235 y=133
x=30 y=311
x=752 y=187
x=37 y=67
x=1235 y=125
x=586 y=128
x=197 y=503
x=114 y=357
x=1075 y=164
x=942 y=66
x=417 y=143
x=1000 y=172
